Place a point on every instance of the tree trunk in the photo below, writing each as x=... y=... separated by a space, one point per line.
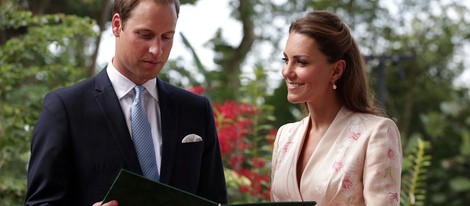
x=234 y=58
x=101 y=24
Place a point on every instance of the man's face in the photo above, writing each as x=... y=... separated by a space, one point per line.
x=143 y=45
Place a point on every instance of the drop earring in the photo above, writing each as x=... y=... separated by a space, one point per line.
x=334 y=86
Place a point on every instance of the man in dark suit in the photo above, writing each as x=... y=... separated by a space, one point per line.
x=84 y=135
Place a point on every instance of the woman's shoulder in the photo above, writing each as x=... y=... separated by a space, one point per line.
x=292 y=127
x=372 y=119
x=374 y=124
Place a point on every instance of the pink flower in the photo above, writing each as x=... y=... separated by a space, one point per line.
x=285 y=147
x=347 y=184
x=355 y=135
x=338 y=166
x=391 y=154
x=393 y=196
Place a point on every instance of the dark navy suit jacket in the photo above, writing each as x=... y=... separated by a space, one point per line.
x=81 y=141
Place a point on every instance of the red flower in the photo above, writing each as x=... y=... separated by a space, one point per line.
x=242 y=149
x=197 y=90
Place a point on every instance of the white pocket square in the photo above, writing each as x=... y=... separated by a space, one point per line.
x=191 y=138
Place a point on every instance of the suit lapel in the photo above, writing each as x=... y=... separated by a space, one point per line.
x=169 y=114
x=109 y=105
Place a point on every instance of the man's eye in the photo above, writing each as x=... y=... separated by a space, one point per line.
x=168 y=36
x=145 y=35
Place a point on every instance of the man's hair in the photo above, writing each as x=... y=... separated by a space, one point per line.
x=124 y=7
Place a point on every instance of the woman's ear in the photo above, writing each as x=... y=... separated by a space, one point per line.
x=116 y=25
x=338 y=70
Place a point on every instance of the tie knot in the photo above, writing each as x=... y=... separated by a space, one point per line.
x=138 y=92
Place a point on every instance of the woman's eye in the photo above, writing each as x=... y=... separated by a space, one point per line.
x=284 y=59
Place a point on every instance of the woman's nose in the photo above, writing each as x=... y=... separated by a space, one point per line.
x=287 y=71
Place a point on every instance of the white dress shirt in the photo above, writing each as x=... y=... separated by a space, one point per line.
x=124 y=89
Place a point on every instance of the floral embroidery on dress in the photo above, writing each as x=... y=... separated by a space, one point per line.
x=356 y=127
x=355 y=135
x=285 y=147
x=347 y=184
x=354 y=132
x=344 y=165
x=337 y=166
x=283 y=151
x=393 y=196
x=388 y=181
x=349 y=191
x=391 y=154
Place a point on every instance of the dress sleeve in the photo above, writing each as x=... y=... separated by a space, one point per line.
x=275 y=158
x=275 y=153
x=383 y=165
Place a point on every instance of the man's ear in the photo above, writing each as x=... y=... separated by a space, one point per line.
x=338 y=70
x=116 y=25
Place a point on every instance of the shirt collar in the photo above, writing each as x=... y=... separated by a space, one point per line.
x=122 y=85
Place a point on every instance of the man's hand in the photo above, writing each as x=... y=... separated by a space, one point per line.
x=110 y=203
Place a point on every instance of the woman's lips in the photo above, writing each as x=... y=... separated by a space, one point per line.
x=291 y=85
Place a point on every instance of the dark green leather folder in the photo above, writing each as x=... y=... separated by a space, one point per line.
x=131 y=189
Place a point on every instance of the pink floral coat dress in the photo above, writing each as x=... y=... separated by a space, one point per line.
x=357 y=162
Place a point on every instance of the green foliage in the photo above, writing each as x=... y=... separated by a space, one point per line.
x=234 y=182
x=448 y=181
x=37 y=54
x=415 y=167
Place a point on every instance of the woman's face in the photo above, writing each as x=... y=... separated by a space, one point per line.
x=307 y=72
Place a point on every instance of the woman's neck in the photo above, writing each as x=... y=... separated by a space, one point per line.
x=321 y=116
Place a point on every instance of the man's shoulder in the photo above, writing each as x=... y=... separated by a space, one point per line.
x=176 y=91
x=86 y=83
x=80 y=85
x=80 y=89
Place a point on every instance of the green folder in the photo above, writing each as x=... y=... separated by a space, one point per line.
x=131 y=189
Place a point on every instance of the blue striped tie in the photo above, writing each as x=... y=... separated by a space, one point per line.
x=142 y=137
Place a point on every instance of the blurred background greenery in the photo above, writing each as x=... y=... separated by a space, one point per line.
x=415 y=51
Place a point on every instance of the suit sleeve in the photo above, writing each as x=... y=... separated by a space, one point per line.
x=383 y=165
x=49 y=175
x=212 y=179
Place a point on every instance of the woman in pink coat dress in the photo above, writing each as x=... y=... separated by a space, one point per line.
x=344 y=152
